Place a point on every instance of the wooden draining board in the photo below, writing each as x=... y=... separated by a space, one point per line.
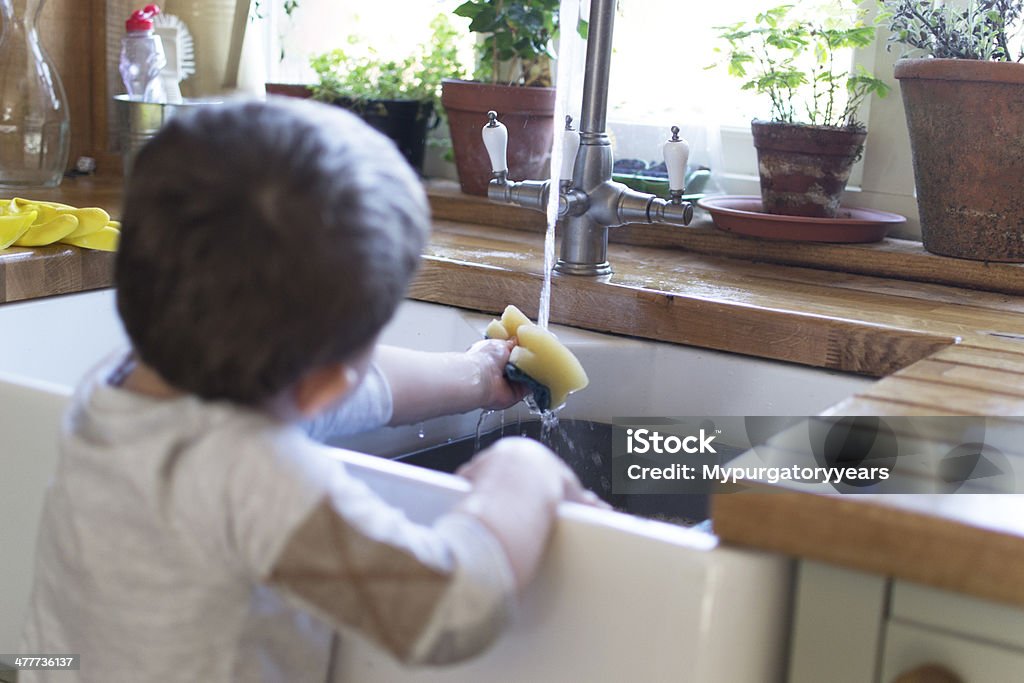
x=968 y=544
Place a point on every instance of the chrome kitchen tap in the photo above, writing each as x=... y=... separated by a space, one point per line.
x=590 y=202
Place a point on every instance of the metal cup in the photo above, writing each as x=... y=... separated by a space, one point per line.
x=138 y=122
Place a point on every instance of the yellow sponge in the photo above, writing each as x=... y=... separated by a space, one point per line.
x=539 y=360
x=506 y=327
x=495 y=330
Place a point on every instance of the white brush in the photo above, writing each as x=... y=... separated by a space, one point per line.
x=181 y=53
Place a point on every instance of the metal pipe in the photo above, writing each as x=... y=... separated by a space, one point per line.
x=599 y=59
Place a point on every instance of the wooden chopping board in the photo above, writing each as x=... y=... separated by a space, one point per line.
x=30 y=272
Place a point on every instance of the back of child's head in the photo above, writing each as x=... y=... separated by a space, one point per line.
x=262 y=240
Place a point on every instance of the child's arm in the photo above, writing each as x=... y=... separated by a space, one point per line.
x=405 y=387
x=427 y=594
x=426 y=385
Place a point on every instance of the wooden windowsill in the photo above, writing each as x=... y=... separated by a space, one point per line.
x=891 y=258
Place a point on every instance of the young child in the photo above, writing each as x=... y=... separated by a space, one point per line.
x=194 y=530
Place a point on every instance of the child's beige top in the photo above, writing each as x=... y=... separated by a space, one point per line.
x=185 y=540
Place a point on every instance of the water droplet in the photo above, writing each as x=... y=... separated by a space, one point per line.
x=479 y=427
x=548 y=423
x=421 y=434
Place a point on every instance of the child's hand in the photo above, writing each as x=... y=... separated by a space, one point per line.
x=517 y=486
x=517 y=461
x=491 y=356
x=425 y=385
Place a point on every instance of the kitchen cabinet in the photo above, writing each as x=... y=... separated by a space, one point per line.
x=851 y=626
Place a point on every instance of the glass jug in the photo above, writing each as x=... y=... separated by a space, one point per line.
x=34 y=118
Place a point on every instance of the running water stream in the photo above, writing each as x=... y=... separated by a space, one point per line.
x=567 y=77
x=569 y=50
x=567 y=83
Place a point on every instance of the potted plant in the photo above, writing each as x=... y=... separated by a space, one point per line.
x=807 y=149
x=963 y=100
x=513 y=78
x=399 y=97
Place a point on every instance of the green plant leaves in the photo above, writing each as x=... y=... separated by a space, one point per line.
x=790 y=58
x=979 y=30
x=517 y=34
x=359 y=74
x=738 y=64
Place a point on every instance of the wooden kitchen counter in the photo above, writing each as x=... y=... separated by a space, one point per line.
x=940 y=349
x=27 y=273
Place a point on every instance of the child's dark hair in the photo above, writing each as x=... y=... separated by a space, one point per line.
x=262 y=240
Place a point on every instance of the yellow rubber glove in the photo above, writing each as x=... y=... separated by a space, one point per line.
x=50 y=222
x=104 y=239
x=90 y=219
x=41 y=234
x=13 y=227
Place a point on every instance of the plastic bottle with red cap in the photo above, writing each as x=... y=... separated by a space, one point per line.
x=142 y=57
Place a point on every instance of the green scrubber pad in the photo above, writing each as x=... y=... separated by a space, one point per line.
x=541 y=394
x=539 y=360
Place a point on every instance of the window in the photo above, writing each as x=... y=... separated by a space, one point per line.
x=316 y=26
x=658 y=80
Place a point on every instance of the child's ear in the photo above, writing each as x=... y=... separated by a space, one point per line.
x=323 y=386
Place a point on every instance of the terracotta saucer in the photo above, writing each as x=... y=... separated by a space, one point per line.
x=743 y=216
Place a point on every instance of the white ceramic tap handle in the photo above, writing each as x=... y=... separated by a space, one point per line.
x=570 y=147
x=677 y=153
x=496 y=141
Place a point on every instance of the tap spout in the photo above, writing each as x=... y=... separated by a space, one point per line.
x=594 y=118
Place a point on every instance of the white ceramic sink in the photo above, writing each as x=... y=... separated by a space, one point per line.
x=619 y=598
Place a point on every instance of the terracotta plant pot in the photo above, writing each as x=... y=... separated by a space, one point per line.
x=803 y=168
x=967 y=140
x=527 y=112
x=289 y=90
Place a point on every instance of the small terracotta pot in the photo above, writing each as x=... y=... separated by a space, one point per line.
x=967 y=140
x=803 y=168
x=289 y=90
x=528 y=113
